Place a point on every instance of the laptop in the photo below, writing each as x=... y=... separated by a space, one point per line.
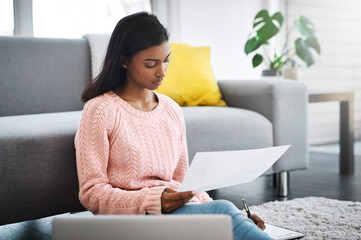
x=150 y=227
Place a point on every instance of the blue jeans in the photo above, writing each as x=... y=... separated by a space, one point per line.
x=243 y=227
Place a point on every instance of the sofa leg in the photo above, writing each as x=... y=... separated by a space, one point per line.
x=282 y=184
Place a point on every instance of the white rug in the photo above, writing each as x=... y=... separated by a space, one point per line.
x=316 y=217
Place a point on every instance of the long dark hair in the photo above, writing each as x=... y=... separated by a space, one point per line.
x=131 y=35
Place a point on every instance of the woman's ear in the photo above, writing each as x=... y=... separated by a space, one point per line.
x=123 y=62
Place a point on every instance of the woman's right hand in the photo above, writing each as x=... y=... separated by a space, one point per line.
x=171 y=200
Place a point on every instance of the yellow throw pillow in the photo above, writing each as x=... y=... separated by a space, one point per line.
x=189 y=80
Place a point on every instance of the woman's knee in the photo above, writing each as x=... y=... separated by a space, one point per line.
x=223 y=207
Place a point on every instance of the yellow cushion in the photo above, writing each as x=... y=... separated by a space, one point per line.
x=189 y=80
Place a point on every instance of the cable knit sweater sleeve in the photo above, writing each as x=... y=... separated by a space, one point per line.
x=92 y=154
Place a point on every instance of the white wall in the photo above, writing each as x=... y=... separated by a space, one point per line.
x=224 y=26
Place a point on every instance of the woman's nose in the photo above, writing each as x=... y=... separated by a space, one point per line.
x=161 y=70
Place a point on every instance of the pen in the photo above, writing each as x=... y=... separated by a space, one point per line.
x=247 y=209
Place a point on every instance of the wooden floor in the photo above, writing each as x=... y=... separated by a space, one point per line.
x=320 y=179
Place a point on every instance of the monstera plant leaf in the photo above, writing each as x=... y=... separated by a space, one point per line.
x=305 y=27
x=257 y=60
x=303 y=46
x=303 y=49
x=312 y=43
x=266 y=27
x=270 y=26
x=252 y=45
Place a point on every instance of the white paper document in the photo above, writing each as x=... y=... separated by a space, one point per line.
x=279 y=233
x=213 y=170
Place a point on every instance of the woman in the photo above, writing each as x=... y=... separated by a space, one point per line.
x=131 y=145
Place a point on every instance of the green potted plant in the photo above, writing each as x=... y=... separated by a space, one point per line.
x=265 y=28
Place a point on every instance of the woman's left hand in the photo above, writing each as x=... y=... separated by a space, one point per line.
x=258 y=221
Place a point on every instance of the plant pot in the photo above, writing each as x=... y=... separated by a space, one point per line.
x=291 y=73
x=271 y=73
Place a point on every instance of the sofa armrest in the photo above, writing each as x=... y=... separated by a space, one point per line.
x=284 y=103
x=37 y=166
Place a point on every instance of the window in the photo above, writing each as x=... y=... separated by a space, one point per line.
x=338 y=66
x=74 y=18
x=6 y=18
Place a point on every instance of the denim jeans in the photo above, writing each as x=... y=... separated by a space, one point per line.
x=243 y=227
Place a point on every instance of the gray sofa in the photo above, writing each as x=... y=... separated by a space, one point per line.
x=41 y=81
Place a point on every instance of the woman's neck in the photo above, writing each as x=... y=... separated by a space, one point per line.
x=144 y=99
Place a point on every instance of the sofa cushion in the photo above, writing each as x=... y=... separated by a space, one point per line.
x=190 y=80
x=42 y=75
x=225 y=128
x=38 y=168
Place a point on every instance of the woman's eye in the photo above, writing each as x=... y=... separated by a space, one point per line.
x=150 y=66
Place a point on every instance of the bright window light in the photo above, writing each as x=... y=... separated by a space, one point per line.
x=74 y=18
x=6 y=18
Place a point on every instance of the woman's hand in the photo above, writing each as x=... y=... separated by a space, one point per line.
x=258 y=221
x=171 y=200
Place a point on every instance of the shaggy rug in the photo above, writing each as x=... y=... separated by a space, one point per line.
x=316 y=217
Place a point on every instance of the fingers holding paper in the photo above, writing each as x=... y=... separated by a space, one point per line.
x=172 y=200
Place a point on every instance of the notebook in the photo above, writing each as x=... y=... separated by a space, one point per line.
x=279 y=233
x=150 y=227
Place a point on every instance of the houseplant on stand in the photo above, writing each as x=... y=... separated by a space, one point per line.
x=267 y=28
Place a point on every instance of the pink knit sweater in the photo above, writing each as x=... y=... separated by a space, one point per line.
x=127 y=157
